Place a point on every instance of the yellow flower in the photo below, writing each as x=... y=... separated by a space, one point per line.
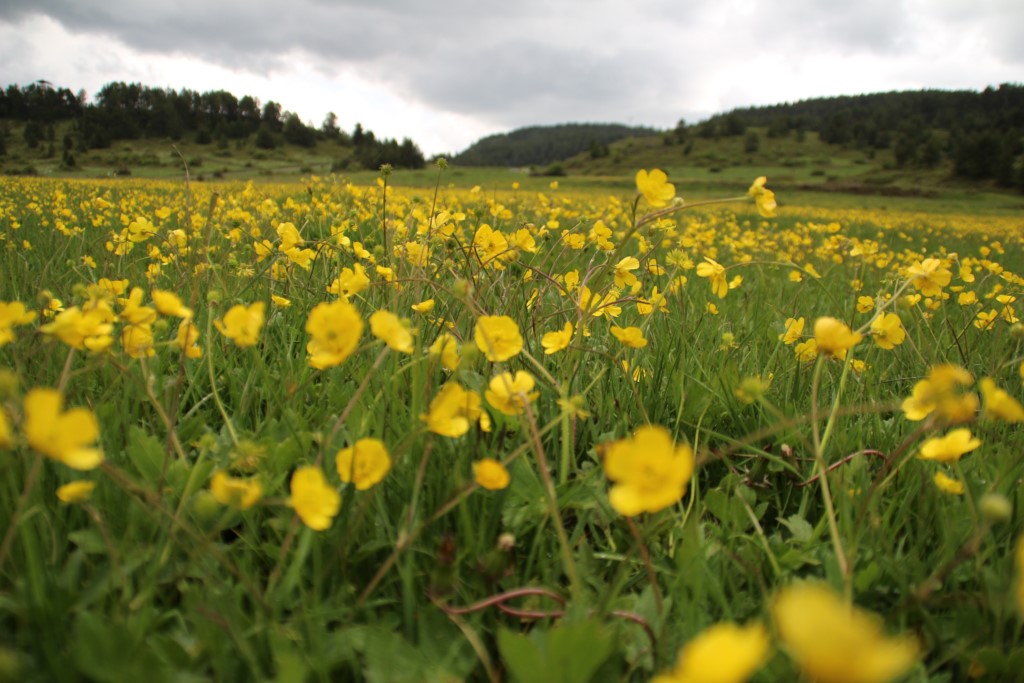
x=998 y=403
x=794 y=330
x=509 y=394
x=490 y=474
x=887 y=331
x=938 y=392
x=834 y=338
x=834 y=642
x=63 y=436
x=623 y=272
x=187 y=339
x=132 y=310
x=947 y=484
x=113 y=287
x=364 y=463
x=723 y=653
x=655 y=188
x=929 y=276
x=651 y=472
x=497 y=336
x=632 y=337
x=289 y=235
x=806 y=350
x=89 y=330
x=137 y=340
x=574 y=406
x=242 y=324
x=716 y=272
x=168 y=303
x=239 y=493
x=446 y=347
x=334 y=329
x=984 y=321
x=490 y=245
x=415 y=254
x=865 y=304
x=6 y=433
x=572 y=280
x=453 y=410
x=596 y=306
x=350 y=282
x=280 y=301
x=76 y=491
x=763 y=198
x=12 y=314
x=656 y=301
x=424 y=306
x=388 y=327
x=314 y=501
x=949 y=448
x=553 y=342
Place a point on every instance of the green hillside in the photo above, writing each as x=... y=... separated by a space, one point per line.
x=889 y=143
x=909 y=144
x=160 y=158
x=129 y=127
x=540 y=145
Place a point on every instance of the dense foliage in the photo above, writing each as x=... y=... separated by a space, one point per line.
x=981 y=132
x=545 y=144
x=330 y=432
x=125 y=111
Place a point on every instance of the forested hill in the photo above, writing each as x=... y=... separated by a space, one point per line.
x=981 y=133
x=545 y=144
x=127 y=111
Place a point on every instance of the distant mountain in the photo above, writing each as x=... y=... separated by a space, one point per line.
x=538 y=145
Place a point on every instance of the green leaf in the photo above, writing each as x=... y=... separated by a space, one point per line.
x=567 y=653
x=145 y=453
x=89 y=540
x=112 y=652
x=729 y=511
x=800 y=528
x=992 y=659
x=392 y=659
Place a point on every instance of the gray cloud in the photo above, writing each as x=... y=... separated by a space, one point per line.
x=530 y=61
x=505 y=62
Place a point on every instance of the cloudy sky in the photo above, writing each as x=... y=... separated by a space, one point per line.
x=447 y=72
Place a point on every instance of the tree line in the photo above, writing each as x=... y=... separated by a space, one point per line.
x=546 y=144
x=981 y=133
x=126 y=111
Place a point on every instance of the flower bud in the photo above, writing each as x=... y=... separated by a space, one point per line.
x=8 y=384
x=996 y=508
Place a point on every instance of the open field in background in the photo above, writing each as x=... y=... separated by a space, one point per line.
x=292 y=484
x=805 y=170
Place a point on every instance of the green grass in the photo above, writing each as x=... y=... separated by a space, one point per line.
x=152 y=577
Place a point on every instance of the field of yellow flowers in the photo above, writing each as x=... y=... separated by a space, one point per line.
x=321 y=432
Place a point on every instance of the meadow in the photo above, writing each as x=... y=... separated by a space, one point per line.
x=325 y=430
